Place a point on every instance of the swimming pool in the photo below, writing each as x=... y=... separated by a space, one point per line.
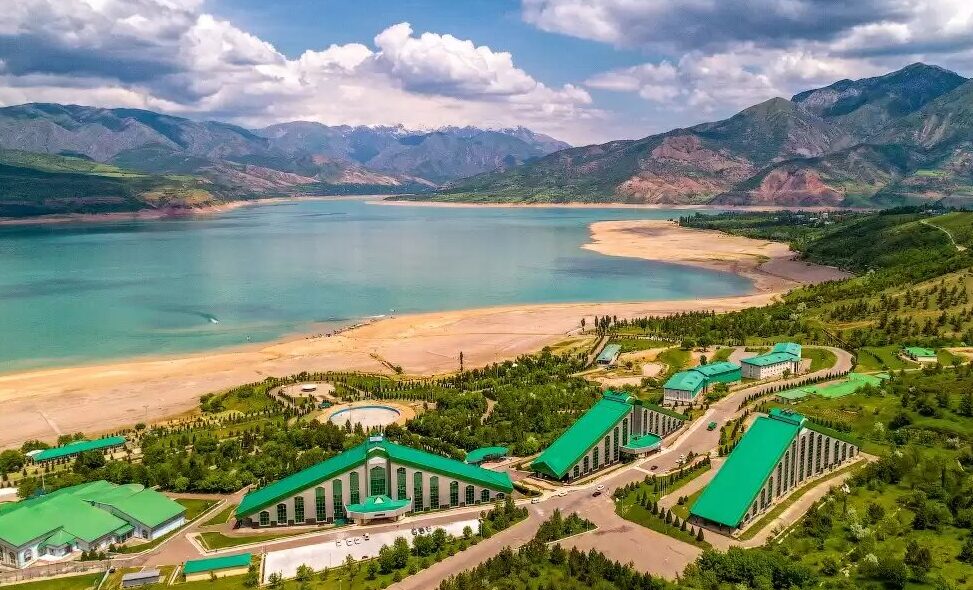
x=367 y=416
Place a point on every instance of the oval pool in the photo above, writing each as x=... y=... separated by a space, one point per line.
x=367 y=416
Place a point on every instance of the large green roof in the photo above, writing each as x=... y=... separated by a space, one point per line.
x=728 y=497
x=147 y=506
x=79 y=447
x=791 y=348
x=609 y=352
x=355 y=456
x=63 y=510
x=918 y=351
x=771 y=358
x=212 y=564
x=691 y=381
x=590 y=428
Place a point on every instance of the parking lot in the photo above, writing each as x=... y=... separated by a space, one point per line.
x=333 y=553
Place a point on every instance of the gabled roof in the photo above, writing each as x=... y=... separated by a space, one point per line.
x=147 y=506
x=791 y=348
x=771 y=358
x=590 y=428
x=259 y=499
x=646 y=441
x=482 y=454
x=79 y=447
x=380 y=503
x=717 y=368
x=609 y=352
x=728 y=497
x=686 y=381
x=212 y=564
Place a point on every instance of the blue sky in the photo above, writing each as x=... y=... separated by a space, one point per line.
x=581 y=70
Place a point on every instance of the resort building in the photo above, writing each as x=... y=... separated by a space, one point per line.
x=484 y=454
x=684 y=386
x=220 y=567
x=783 y=357
x=78 y=447
x=777 y=454
x=609 y=356
x=920 y=355
x=85 y=517
x=377 y=479
x=616 y=425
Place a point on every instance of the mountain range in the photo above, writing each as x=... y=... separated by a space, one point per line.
x=905 y=137
x=71 y=159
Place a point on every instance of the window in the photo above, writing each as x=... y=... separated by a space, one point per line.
x=594 y=458
x=376 y=479
x=354 y=495
x=281 y=513
x=320 y=504
x=615 y=445
x=470 y=495
x=400 y=484
x=625 y=431
x=454 y=493
x=337 y=502
x=434 y=492
x=484 y=495
x=586 y=465
x=577 y=471
x=298 y=509
x=264 y=518
x=417 y=491
x=608 y=453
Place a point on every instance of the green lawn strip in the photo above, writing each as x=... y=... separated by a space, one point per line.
x=675 y=358
x=779 y=509
x=945 y=357
x=114 y=580
x=72 y=583
x=193 y=507
x=881 y=358
x=682 y=510
x=215 y=541
x=628 y=507
x=641 y=516
x=221 y=517
x=637 y=344
x=821 y=358
x=722 y=354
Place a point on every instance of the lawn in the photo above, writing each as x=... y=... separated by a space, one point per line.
x=881 y=358
x=73 y=583
x=629 y=507
x=221 y=517
x=195 y=507
x=114 y=581
x=675 y=358
x=214 y=541
x=821 y=358
x=637 y=344
x=721 y=354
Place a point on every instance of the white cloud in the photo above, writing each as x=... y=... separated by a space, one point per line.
x=171 y=56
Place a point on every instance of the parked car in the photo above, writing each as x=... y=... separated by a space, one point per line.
x=711 y=426
x=653 y=468
x=535 y=500
x=413 y=532
x=596 y=494
x=601 y=487
x=366 y=536
x=348 y=542
x=337 y=542
x=357 y=540
x=562 y=493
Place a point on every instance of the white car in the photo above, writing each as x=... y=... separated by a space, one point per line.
x=601 y=487
x=562 y=493
x=348 y=542
x=357 y=540
x=365 y=536
x=535 y=500
x=337 y=542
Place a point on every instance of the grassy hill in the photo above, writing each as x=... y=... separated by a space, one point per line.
x=41 y=184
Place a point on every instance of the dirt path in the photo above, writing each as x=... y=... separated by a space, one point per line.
x=959 y=248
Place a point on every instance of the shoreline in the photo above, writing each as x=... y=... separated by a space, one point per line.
x=104 y=396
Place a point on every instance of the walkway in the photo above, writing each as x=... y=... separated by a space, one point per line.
x=959 y=248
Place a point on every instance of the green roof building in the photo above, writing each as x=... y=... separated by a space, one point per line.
x=783 y=357
x=779 y=452
x=221 y=567
x=598 y=438
x=481 y=455
x=375 y=474
x=609 y=355
x=684 y=386
x=920 y=355
x=79 y=447
x=83 y=518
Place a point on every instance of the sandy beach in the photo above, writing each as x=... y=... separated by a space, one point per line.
x=98 y=398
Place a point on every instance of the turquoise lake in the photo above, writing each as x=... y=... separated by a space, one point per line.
x=81 y=292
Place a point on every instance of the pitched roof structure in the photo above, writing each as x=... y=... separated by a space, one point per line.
x=380 y=503
x=271 y=494
x=781 y=352
x=482 y=454
x=609 y=353
x=212 y=564
x=590 y=428
x=74 y=512
x=78 y=447
x=731 y=493
x=716 y=369
x=686 y=381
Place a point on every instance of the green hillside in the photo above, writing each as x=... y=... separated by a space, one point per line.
x=41 y=184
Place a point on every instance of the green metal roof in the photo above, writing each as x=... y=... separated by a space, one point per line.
x=79 y=447
x=610 y=352
x=71 y=510
x=646 y=441
x=59 y=539
x=771 y=358
x=728 y=497
x=717 y=368
x=482 y=454
x=590 y=428
x=210 y=564
x=381 y=503
x=691 y=381
x=271 y=494
x=791 y=348
x=122 y=531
